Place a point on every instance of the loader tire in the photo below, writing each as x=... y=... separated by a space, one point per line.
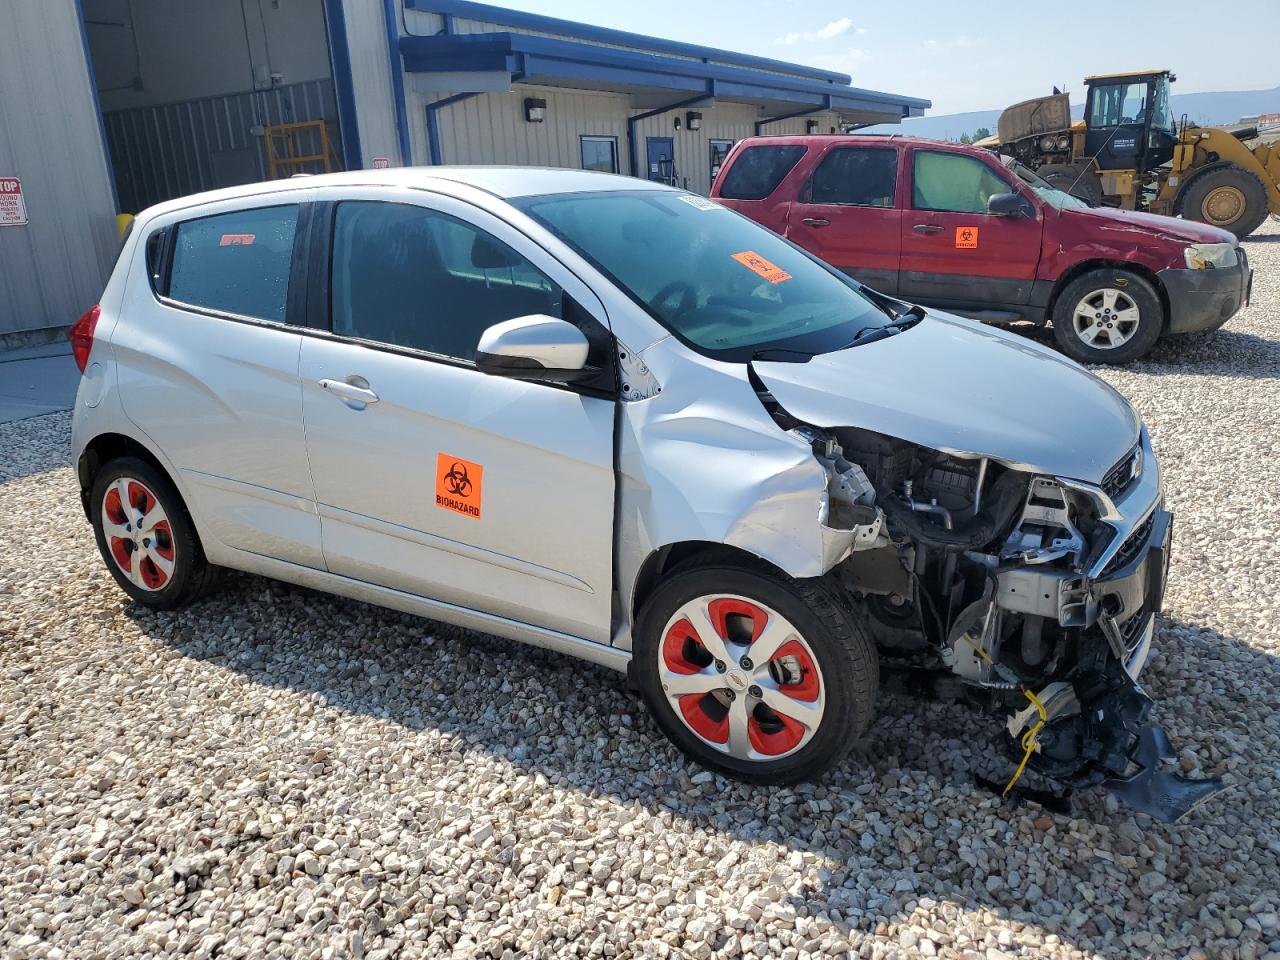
x=1228 y=196
x=1074 y=179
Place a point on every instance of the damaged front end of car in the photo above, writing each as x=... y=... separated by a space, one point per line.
x=1031 y=596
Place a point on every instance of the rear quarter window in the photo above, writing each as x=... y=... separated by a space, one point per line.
x=758 y=171
x=235 y=262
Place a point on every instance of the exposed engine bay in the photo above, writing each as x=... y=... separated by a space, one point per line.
x=1016 y=593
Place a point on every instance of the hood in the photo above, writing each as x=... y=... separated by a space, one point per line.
x=1174 y=228
x=960 y=387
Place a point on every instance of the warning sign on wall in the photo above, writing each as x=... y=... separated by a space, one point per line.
x=13 y=209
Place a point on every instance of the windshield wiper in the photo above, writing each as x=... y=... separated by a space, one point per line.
x=783 y=355
x=873 y=333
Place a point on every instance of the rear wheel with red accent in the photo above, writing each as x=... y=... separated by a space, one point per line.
x=146 y=536
x=761 y=677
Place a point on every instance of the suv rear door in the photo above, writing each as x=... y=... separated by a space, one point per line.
x=761 y=181
x=847 y=213
x=953 y=251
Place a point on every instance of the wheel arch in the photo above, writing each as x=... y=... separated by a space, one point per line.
x=106 y=447
x=1084 y=266
x=660 y=562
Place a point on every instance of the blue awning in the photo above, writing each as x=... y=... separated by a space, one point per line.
x=487 y=61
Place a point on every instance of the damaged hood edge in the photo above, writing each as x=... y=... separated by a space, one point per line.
x=965 y=389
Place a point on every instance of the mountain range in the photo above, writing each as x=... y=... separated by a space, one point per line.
x=1206 y=109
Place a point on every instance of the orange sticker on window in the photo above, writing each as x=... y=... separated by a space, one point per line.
x=458 y=485
x=759 y=265
x=237 y=239
x=966 y=238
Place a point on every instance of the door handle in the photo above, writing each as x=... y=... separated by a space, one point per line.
x=815 y=222
x=926 y=228
x=352 y=390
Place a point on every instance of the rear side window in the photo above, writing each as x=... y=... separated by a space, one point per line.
x=856 y=176
x=758 y=171
x=236 y=262
x=953 y=183
x=413 y=277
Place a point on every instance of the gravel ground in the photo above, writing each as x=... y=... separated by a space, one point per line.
x=275 y=772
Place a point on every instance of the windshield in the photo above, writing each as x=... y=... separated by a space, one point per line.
x=720 y=282
x=1046 y=192
x=1161 y=113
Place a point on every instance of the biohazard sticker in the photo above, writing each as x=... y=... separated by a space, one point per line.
x=459 y=485
x=237 y=239
x=759 y=265
x=966 y=238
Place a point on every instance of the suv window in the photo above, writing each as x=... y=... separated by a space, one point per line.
x=856 y=176
x=758 y=171
x=236 y=262
x=953 y=183
x=417 y=278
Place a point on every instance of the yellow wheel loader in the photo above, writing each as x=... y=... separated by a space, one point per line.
x=1129 y=152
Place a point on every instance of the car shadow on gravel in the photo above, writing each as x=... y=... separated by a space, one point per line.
x=899 y=824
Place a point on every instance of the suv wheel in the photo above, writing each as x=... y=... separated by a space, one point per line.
x=1107 y=316
x=146 y=536
x=764 y=678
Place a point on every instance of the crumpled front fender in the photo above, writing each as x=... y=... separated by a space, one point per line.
x=714 y=467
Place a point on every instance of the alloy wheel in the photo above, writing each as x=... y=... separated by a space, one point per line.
x=1106 y=319
x=741 y=677
x=138 y=533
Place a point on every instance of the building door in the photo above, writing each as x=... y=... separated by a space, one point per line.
x=661 y=156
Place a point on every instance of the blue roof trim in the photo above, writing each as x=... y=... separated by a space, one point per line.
x=583 y=61
x=582 y=31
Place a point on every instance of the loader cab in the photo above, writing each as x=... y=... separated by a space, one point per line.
x=1128 y=122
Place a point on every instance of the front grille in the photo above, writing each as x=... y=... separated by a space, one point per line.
x=1136 y=543
x=1122 y=475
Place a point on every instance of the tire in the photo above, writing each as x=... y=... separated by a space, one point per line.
x=823 y=669
x=1075 y=179
x=1229 y=197
x=172 y=571
x=1118 y=335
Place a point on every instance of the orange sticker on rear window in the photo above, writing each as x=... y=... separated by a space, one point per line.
x=966 y=238
x=458 y=485
x=237 y=239
x=759 y=265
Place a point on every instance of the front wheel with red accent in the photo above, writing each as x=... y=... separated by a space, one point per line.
x=146 y=536
x=764 y=678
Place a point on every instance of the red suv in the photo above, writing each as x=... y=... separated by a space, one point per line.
x=973 y=233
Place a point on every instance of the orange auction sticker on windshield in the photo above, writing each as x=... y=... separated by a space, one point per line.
x=459 y=484
x=966 y=238
x=237 y=239
x=759 y=265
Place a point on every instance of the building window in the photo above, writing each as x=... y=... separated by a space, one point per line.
x=719 y=150
x=600 y=153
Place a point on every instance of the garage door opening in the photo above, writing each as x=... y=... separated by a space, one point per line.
x=197 y=95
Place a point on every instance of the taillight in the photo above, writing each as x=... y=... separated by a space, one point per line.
x=81 y=336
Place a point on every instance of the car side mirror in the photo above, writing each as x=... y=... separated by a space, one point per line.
x=1009 y=205
x=536 y=347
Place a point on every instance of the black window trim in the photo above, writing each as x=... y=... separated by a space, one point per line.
x=294 y=306
x=320 y=313
x=613 y=145
x=806 y=191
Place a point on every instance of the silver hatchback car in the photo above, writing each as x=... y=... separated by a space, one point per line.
x=617 y=420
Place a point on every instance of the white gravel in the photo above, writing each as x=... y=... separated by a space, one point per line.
x=279 y=773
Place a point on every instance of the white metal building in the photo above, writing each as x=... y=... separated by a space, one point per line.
x=108 y=106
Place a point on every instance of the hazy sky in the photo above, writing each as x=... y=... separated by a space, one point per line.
x=967 y=55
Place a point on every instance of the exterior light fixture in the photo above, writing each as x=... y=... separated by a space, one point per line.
x=677 y=122
x=535 y=110
x=694 y=120
x=811 y=126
